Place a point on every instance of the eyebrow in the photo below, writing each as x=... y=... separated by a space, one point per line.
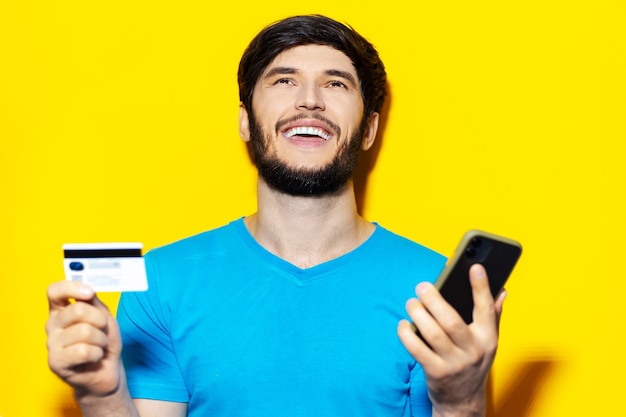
x=332 y=72
x=343 y=74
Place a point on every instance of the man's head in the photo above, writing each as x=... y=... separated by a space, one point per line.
x=320 y=30
x=311 y=91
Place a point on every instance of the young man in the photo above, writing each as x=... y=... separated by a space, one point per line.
x=297 y=309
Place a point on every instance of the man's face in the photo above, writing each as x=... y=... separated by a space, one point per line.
x=306 y=126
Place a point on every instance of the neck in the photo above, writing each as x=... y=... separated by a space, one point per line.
x=307 y=231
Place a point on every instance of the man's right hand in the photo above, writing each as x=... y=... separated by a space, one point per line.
x=84 y=343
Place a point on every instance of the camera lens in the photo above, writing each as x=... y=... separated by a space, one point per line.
x=77 y=266
x=470 y=252
x=476 y=242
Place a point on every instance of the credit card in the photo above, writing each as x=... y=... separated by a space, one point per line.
x=106 y=267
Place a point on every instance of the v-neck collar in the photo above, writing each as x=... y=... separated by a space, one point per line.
x=314 y=272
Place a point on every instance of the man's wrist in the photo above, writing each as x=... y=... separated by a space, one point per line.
x=473 y=407
x=115 y=403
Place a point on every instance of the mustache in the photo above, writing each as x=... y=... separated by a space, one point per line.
x=315 y=116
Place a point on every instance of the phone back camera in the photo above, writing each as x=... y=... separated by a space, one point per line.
x=476 y=242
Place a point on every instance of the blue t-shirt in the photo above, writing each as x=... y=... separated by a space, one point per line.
x=234 y=330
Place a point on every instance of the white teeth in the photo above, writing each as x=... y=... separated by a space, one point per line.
x=304 y=130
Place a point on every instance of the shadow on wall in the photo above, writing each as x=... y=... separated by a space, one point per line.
x=367 y=159
x=68 y=409
x=521 y=389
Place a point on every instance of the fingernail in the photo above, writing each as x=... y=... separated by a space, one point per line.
x=85 y=291
x=422 y=287
x=480 y=271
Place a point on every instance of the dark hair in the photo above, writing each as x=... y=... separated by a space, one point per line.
x=314 y=29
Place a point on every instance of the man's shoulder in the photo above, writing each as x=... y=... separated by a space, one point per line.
x=402 y=244
x=404 y=254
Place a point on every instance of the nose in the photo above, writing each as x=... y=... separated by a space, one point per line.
x=310 y=97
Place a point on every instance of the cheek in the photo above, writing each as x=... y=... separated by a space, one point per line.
x=354 y=127
x=350 y=111
x=267 y=119
x=270 y=104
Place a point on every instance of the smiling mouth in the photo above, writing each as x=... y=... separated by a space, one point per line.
x=307 y=131
x=310 y=127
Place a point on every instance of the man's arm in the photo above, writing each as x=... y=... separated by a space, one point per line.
x=154 y=408
x=84 y=347
x=460 y=357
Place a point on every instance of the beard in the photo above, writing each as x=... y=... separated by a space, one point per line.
x=295 y=181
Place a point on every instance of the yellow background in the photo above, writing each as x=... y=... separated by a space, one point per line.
x=118 y=122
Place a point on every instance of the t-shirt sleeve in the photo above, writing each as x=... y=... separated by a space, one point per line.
x=148 y=353
x=420 y=402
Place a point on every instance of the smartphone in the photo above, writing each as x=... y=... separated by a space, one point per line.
x=496 y=253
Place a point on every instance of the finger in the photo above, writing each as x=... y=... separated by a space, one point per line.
x=62 y=361
x=61 y=293
x=499 y=305
x=114 y=340
x=413 y=344
x=79 y=312
x=82 y=333
x=76 y=348
x=447 y=318
x=484 y=314
x=428 y=328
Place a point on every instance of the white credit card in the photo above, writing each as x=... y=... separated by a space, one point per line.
x=106 y=267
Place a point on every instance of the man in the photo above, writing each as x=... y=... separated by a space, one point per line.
x=295 y=310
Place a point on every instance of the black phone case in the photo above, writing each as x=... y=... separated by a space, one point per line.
x=496 y=253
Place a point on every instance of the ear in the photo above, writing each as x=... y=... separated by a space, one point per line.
x=370 y=132
x=244 y=123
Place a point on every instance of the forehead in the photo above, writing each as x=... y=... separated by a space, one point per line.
x=313 y=58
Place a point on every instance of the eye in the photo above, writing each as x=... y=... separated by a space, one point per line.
x=336 y=83
x=285 y=81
